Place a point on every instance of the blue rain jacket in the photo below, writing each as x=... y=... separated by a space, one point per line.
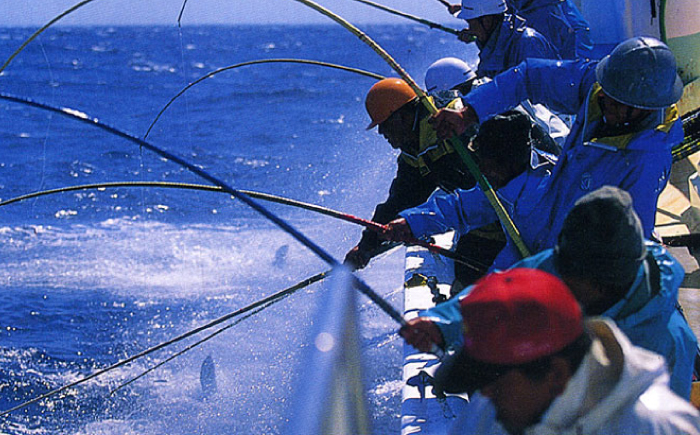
x=560 y=22
x=510 y=44
x=465 y=210
x=651 y=319
x=639 y=162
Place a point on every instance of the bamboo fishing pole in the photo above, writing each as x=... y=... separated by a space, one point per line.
x=256 y=62
x=456 y=142
x=472 y=264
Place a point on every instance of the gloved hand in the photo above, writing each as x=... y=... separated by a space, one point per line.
x=423 y=334
x=450 y=122
x=397 y=230
x=357 y=258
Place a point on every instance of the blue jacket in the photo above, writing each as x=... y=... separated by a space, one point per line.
x=511 y=44
x=650 y=318
x=638 y=162
x=465 y=210
x=560 y=22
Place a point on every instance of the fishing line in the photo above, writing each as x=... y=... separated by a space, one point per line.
x=255 y=62
x=321 y=253
x=473 y=264
x=455 y=141
x=181 y=337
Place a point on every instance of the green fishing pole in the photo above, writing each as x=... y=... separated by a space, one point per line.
x=256 y=62
x=456 y=142
x=472 y=264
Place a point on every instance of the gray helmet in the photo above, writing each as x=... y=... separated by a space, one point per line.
x=641 y=72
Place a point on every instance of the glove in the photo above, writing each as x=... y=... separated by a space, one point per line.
x=397 y=231
x=423 y=334
x=357 y=258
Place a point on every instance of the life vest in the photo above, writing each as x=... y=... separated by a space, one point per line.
x=430 y=149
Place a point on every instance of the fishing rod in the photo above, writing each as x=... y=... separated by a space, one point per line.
x=430 y=24
x=254 y=305
x=473 y=264
x=455 y=141
x=258 y=306
x=255 y=62
x=187 y=349
x=41 y=30
x=321 y=253
x=445 y=3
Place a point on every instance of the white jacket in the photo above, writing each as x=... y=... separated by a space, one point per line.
x=618 y=389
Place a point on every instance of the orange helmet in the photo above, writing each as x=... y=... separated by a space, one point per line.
x=386 y=97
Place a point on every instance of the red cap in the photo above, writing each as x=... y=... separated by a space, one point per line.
x=511 y=318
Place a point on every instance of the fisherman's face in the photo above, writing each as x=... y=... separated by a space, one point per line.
x=519 y=400
x=616 y=114
x=481 y=28
x=398 y=129
x=497 y=174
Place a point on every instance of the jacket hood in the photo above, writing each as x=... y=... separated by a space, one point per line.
x=613 y=374
x=662 y=302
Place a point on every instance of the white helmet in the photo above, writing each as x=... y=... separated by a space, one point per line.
x=446 y=73
x=478 y=8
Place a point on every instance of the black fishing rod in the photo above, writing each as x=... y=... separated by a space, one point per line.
x=256 y=62
x=470 y=263
x=41 y=30
x=257 y=306
x=430 y=24
x=270 y=299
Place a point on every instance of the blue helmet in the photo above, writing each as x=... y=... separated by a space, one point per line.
x=641 y=72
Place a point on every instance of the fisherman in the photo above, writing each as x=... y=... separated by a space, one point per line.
x=558 y=20
x=540 y=369
x=626 y=126
x=613 y=272
x=503 y=39
x=449 y=78
x=426 y=164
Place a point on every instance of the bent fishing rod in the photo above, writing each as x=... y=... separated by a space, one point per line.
x=258 y=304
x=320 y=252
x=256 y=62
x=430 y=24
x=455 y=141
x=41 y=30
x=371 y=225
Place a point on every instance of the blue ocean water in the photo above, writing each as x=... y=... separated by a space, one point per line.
x=94 y=276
